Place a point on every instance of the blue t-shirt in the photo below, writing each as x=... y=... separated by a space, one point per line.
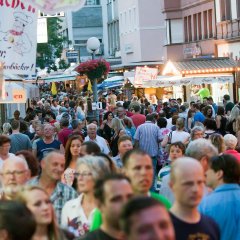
x=43 y=149
x=199 y=117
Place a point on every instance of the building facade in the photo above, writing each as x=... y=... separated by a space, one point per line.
x=228 y=28
x=228 y=34
x=141 y=31
x=80 y=25
x=190 y=29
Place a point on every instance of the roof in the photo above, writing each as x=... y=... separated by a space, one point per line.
x=200 y=65
x=58 y=78
x=197 y=64
x=135 y=64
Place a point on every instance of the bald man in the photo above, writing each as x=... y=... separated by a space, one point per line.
x=15 y=173
x=187 y=183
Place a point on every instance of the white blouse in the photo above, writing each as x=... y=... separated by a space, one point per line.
x=74 y=219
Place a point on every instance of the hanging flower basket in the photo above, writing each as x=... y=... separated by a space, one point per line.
x=94 y=69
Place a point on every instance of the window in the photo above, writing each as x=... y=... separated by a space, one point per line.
x=185 y=30
x=92 y=2
x=225 y=10
x=189 y=28
x=82 y=42
x=195 y=37
x=205 y=25
x=174 y=32
x=238 y=8
x=210 y=25
x=199 y=26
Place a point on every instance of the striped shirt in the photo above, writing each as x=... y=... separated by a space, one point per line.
x=148 y=135
x=61 y=194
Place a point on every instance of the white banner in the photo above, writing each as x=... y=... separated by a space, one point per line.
x=54 y=6
x=18 y=37
x=144 y=73
x=2 y=86
x=166 y=81
x=42 y=35
x=14 y=93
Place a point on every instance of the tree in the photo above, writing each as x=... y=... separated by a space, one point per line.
x=47 y=52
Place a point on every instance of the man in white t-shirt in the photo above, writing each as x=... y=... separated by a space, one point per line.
x=92 y=136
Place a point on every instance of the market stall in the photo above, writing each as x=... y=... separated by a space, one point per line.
x=218 y=74
x=183 y=79
x=16 y=95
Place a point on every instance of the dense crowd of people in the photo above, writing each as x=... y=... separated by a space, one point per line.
x=139 y=169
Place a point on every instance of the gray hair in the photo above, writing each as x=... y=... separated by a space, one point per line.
x=16 y=159
x=51 y=154
x=91 y=125
x=196 y=129
x=200 y=148
x=6 y=127
x=230 y=141
x=199 y=124
x=97 y=165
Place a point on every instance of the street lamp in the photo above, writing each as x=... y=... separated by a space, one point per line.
x=93 y=45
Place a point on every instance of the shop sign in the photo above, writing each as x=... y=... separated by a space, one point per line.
x=19 y=96
x=128 y=48
x=18 y=37
x=144 y=73
x=42 y=35
x=192 y=51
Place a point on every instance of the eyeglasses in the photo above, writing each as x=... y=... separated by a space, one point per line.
x=6 y=146
x=15 y=173
x=84 y=174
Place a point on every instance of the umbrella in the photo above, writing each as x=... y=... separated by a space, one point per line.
x=54 y=6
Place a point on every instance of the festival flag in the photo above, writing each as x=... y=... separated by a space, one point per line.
x=89 y=88
x=54 y=88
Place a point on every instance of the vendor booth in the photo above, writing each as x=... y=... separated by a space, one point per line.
x=183 y=79
x=16 y=95
x=217 y=74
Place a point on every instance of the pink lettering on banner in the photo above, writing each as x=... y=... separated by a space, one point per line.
x=15 y=4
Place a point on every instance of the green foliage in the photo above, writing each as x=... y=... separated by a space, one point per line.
x=47 y=52
x=63 y=64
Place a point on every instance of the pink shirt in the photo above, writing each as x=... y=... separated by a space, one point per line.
x=138 y=119
x=63 y=135
x=233 y=152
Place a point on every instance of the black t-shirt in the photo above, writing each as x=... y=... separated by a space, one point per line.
x=229 y=106
x=97 y=235
x=205 y=229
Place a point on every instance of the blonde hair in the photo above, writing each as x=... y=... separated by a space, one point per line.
x=218 y=141
x=236 y=126
x=117 y=125
x=234 y=114
x=22 y=196
x=180 y=123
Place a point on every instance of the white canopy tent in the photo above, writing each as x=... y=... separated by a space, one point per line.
x=169 y=81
